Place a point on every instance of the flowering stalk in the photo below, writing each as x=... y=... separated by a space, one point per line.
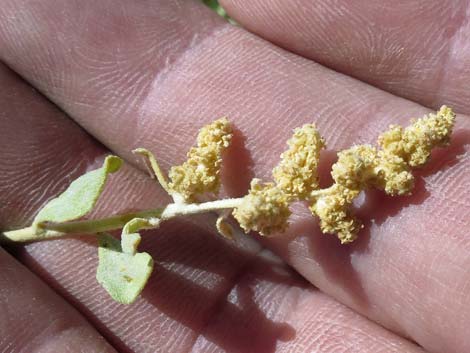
x=123 y=271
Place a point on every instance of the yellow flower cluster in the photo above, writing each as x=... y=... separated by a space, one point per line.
x=265 y=208
x=388 y=168
x=201 y=171
x=123 y=271
x=333 y=209
x=402 y=149
x=296 y=174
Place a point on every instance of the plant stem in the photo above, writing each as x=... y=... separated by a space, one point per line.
x=100 y=225
x=157 y=171
x=56 y=230
x=323 y=192
x=179 y=209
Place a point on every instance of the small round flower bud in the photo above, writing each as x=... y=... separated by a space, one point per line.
x=393 y=174
x=265 y=209
x=334 y=214
x=355 y=167
x=392 y=141
x=296 y=174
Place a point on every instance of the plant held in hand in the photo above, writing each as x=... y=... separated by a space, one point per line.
x=123 y=271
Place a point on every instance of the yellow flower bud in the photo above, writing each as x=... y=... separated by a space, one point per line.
x=201 y=172
x=389 y=169
x=335 y=217
x=296 y=174
x=393 y=174
x=414 y=144
x=355 y=167
x=265 y=209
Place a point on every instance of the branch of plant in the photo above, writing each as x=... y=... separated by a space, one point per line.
x=96 y=226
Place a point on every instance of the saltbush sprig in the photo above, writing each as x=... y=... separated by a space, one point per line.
x=123 y=271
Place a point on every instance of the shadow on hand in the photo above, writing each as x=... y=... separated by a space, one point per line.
x=237 y=168
x=223 y=309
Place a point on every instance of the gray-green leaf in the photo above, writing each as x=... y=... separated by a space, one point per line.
x=130 y=238
x=122 y=275
x=80 y=197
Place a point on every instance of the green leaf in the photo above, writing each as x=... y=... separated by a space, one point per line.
x=130 y=238
x=80 y=197
x=122 y=275
x=214 y=5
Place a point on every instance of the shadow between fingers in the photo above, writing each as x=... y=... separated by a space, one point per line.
x=335 y=259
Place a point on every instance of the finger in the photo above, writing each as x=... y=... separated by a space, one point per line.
x=35 y=319
x=205 y=295
x=318 y=322
x=415 y=49
x=40 y=156
x=234 y=64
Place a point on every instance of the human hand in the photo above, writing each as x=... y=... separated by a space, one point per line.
x=150 y=74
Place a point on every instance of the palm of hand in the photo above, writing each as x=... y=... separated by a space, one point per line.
x=149 y=74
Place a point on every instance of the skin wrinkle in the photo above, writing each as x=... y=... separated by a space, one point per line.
x=218 y=306
x=323 y=121
x=462 y=19
x=29 y=175
x=159 y=74
x=172 y=51
x=152 y=105
x=142 y=121
x=48 y=335
x=329 y=35
x=299 y=318
x=331 y=332
x=16 y=296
